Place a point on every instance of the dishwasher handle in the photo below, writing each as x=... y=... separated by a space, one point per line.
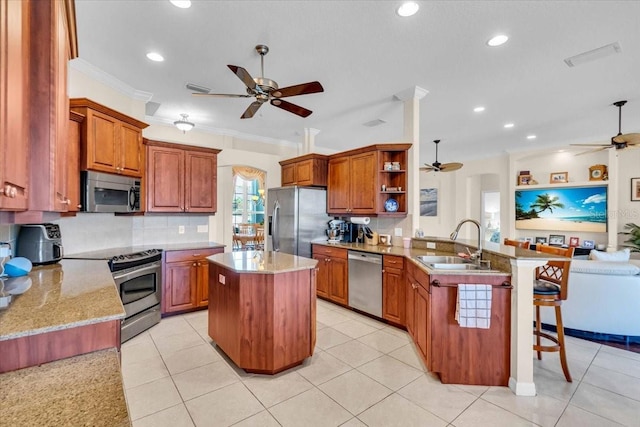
x=361 y=256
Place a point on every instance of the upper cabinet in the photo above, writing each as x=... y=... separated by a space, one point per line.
x=307 y=170
x=181 y=178
x=14 y=146
x=359 y=184
x=112 y=141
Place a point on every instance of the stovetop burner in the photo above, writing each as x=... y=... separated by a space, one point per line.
x=124 y=261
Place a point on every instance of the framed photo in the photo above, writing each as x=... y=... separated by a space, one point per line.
x=635 y=189
x=542 y=240
x=524 y=179
x=574 y=242
x=558 y=177
x=528 y=239
x=588 y=244
x=556 y=239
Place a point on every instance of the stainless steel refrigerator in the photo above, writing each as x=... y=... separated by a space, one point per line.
x=297 y=215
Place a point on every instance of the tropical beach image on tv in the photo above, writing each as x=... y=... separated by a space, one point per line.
x=562 y=209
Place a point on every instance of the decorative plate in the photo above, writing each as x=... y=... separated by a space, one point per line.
x=391 y=205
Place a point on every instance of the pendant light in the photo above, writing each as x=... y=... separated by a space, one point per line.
x=183 y=124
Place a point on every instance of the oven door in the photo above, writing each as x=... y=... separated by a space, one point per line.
x=139 y=287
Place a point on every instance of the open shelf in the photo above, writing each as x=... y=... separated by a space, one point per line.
x=563 y=185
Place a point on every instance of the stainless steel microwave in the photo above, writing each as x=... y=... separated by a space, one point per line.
x=105 y=192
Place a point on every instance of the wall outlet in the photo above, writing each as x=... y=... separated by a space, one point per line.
x=221 y=279
x=431 y=245
x=398 y=231
x=203 y=229
x=181 y=229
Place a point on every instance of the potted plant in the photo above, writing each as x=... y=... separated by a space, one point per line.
x=633 y=231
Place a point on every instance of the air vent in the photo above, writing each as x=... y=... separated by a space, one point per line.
x=593 y=55
x=372 y=123
x=150 y=108
x=197 y=88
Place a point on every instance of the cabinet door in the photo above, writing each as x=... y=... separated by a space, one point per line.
x=200 y=182
x=393 y=299
x=73 y=161
x=165 y=179
x=102 y=142
x=130 y=151
x=304 y=172
x=180 y=286
x=338 y=186
x=203 y=282
x=422 y=321
x=322 y=277
x=288 y=175
x=339 y=280
x=363 y=173
x=410 y=296
x=14 y=144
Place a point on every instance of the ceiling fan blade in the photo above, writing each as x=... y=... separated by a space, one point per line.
x=450 y=167
x=629 y=138
x=429 y=168
x=292 y=108
x=590 y=145
x=243 y=75
x=301 y=89
x=221 y=95
x=594 y=150
x=251 y=110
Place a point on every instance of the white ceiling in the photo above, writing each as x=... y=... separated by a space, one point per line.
x=364 y=54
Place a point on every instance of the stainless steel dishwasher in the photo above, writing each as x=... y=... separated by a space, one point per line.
x=365 y=282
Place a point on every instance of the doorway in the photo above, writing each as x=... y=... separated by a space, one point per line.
x=247 y=213
x=491 y=215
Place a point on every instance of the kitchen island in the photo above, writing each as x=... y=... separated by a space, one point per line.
x=262 y=308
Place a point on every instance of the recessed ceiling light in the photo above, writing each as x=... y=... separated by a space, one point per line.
x=498 y=40
x=407 y=9
x=508 y=125
x=531 y=137
x=182 y=4
x=155 y=56
x=478 y=109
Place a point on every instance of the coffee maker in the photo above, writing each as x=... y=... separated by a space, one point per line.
x=353 y=233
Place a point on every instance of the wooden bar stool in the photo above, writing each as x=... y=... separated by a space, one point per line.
x=524 y=244
x=550 y=288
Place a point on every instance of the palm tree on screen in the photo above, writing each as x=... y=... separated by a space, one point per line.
x=545 y=202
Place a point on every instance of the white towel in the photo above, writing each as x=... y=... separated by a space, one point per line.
x=473 y=306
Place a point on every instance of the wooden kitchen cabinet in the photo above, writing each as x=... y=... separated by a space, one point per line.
x=393 y=289
x=307 y=170
x=185 y=276
x=333 y=273
x=14 y=144
x=181 y=178
x=394 y=180
x=73 y=161
x=418 y=318
x=111 y=141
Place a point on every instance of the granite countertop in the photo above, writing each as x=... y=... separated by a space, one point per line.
x=263 y=262
x=108 y=253
x=64 y=295
x=83 y=390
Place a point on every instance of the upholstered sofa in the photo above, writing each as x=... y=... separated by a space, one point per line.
x=604 y=298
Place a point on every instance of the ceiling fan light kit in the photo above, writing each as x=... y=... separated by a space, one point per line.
x=267 y=90
x=184 y=124
x=440 y=167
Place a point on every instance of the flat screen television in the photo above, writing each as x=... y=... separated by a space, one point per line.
x=562 y=209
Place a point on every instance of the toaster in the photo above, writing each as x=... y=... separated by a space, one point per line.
x=40 y=243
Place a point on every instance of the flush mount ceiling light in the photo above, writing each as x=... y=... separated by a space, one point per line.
x=478 y=109
x=531 y=137
x=183 y=124
x=498 y=40
x=182 y=4
x=155 y=56
x=408 y=8
x=593 y=55
x=508 y=125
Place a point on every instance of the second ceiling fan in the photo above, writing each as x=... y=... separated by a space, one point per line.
x=440 y=167
x=267 y=90
x=619 y=141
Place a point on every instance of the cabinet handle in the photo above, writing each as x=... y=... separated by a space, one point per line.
x=383 y=270
x=66 y=201
x=79 y=206
x=194 y=264
x=414 y=286
x=195 y=255
x=9 y=191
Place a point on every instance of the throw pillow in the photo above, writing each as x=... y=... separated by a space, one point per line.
x=619 y=256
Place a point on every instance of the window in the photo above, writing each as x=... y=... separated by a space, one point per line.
x=248 y=202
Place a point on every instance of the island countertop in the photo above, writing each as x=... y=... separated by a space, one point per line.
x=262 y=262
x=65 y=295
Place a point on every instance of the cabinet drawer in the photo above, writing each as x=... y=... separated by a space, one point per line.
x=390 y=261
x=328 y=251
x=190 y=254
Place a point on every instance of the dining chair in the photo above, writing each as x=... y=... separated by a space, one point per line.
x=524 y=244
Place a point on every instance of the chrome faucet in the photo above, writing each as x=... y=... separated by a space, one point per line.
x=477 y=256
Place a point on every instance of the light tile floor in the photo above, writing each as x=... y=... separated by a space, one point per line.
x=363 y=373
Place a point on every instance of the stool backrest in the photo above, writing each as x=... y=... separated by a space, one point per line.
x=524 y=244
x=556 y=271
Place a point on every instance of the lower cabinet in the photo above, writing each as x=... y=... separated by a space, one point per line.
x=333 y=273
x=418 y=321
x=393 y=288
x=185 y=276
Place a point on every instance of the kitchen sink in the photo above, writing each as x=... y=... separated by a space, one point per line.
x=441 y=259
x=444 y=266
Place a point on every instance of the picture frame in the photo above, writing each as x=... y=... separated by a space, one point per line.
x=528 y=239
x=541 y=240
x=635 y=189
x=556 y=239
x=574 y=242
x=588 y=244
x=558 y=177
x=524 y=179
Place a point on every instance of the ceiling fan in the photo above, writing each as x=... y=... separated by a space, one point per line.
x=619 y=141
x=440 y=167
x=264 y=90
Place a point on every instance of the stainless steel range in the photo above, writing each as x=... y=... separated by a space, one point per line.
x=138 y=276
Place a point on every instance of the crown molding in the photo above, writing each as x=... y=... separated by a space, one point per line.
x=108 y=80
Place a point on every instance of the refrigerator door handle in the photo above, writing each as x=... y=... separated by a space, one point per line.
x=276 y=227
